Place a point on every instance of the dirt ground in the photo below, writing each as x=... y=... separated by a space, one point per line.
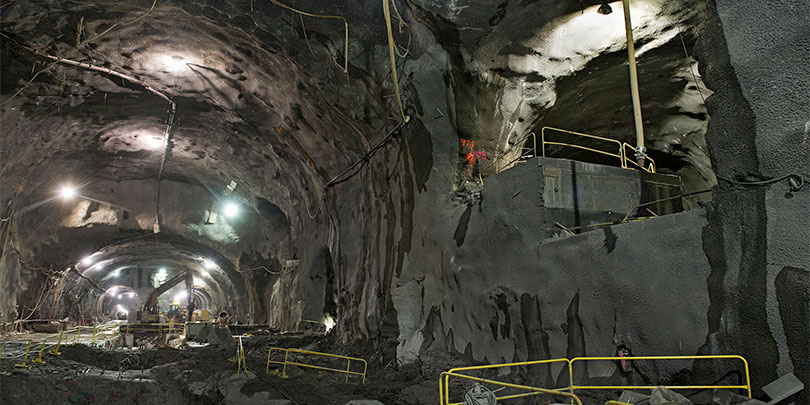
x=207 y=375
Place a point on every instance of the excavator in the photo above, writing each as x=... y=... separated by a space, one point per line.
x=151 y=312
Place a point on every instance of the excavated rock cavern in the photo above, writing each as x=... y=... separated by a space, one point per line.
x=207 y=201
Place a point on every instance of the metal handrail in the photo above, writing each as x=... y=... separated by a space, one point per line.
x=160 y=328
x=649 y=169
x=444 y=378
x=747 y=385
x=619 y=155
x=287 y=351
x=445 y=400
x=490 y=366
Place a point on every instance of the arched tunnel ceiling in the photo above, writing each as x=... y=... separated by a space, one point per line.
x=262 y=100
x=141 y=264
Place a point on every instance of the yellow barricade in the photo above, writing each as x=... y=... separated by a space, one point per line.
x=533 y=390
x=746 y=387
x=286 y=362
x=160 y=328
x=444 y=389
x=444 y=394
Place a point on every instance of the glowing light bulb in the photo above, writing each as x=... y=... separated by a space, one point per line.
x=208 y=264
x=230 y=210
x=67 y=192
x=87 y=260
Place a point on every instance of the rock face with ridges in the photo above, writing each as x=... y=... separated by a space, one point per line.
x=390 y=231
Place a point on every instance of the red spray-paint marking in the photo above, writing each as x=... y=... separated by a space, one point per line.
x=115 y=392
x=68 y=392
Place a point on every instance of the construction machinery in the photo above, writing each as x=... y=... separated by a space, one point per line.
x=151 y=312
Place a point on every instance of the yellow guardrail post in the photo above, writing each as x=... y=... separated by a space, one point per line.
x=25 y=356
x=2 y=349
x=55 y=351
x=241 y=364
x=284 y=371
x=244 y=357
x=42 y=349
x=650 y=168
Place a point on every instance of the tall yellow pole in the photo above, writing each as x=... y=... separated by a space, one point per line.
x=641 y=151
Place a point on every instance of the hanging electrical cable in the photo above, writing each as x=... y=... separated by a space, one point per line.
x=691 y=69
x=391 y=52
x=795 y=181
x=345 y=26
x=166 y=138
x=74 y=51
x=367 y=156
x=169 y=121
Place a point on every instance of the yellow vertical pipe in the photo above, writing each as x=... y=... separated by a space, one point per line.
x=39 y=358
x=25 y=356
x=58 y=344
x=641 y=151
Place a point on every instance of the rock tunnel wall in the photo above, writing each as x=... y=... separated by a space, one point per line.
x=741 y=266
x=758 y=238
x=395 y=249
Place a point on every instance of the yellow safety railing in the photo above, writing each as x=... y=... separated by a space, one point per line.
x=444 y=389
x=621 y=150
x=444 y=400
x=160 y=328
x=286 y=362
x=619 y=154
x=444 y=382
x=627 y=161
x=746 y=387
x=102 y=329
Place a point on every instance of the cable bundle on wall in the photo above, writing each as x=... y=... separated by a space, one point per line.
x=391 y=51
